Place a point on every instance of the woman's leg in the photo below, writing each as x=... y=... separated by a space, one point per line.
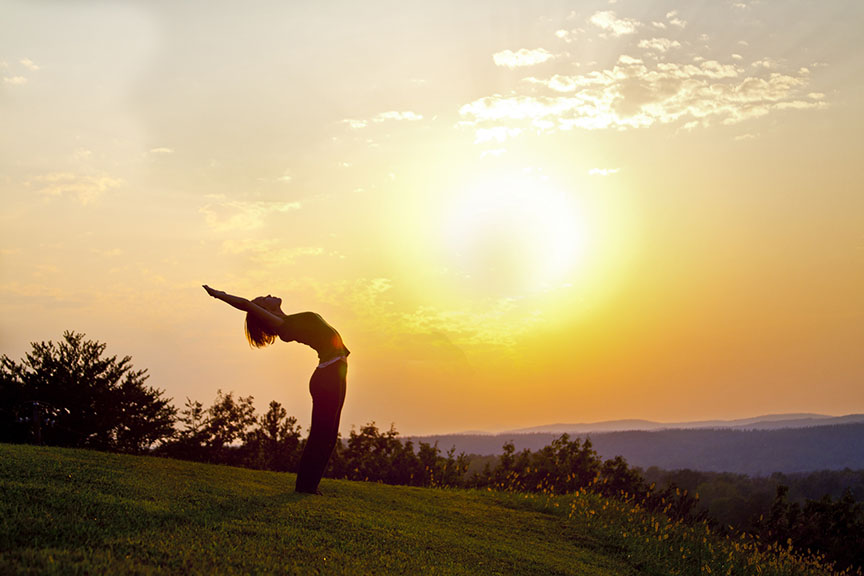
x=328 y=395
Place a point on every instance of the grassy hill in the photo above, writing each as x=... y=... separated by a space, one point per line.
x=72 y=511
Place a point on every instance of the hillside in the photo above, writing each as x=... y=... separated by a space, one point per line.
x=753 y=452
x=68 y=511
x=107 y=513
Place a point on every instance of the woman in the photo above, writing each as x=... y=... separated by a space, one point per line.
x=264 y=322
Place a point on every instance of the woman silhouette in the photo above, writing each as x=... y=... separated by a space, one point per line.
x=264 y=322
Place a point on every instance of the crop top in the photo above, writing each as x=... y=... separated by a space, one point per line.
x=309 y=328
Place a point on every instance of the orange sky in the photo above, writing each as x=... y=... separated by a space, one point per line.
x=515 y=214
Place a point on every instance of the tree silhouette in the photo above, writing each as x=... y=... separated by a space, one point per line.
x=275 y=444
x=72 y=394
x=228 y=420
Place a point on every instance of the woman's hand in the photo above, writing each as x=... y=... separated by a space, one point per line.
x=215 y=293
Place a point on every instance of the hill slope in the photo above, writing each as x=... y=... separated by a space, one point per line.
x=65 y=511
x=81 y=512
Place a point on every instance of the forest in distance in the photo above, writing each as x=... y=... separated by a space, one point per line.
x=751 y=452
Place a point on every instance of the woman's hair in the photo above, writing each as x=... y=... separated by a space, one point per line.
x=256 y=331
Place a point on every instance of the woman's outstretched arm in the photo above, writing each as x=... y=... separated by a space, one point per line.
x=272 y=320
x=235 y=301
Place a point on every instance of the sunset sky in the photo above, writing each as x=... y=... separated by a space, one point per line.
x=516 y=213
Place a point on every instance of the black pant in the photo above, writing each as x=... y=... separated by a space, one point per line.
x=327 y=387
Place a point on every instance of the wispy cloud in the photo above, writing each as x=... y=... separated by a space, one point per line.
x=229 y=215
x=609 y=21
x=161 y=151
x=674 y=20
x=86 y=188
x=521 y=58
x=603 y=171
x=29 y=64
x=636 y=94
x=396 y=115
x=16 y=76
x=659 y=44
x=356 y=124
x=285 y=178
x=389 y=116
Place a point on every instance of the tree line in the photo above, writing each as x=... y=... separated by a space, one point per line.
x=71 y=394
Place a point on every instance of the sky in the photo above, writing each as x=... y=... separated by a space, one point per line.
x=515 y=213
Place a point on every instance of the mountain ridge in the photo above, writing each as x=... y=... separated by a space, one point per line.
x=836 y=443
x=764 y=422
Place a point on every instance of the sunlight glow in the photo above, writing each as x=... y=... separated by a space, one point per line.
x=513 y=235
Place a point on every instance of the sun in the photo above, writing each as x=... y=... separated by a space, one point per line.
x=513 y=235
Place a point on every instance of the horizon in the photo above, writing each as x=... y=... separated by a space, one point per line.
x=550 y=428
x=512 y=213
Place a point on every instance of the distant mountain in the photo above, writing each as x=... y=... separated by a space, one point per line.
x=753 y=448
x=767 y=422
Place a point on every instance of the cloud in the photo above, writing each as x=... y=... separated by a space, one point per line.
x=227 y=216
x=85 y=188
x=161 y=151
x=392 y=115
x=17 y=79
x=29 y=64
x=766 y=63
x=524 y=57
x=603 y=171
x=635 y=94
x=610 y=22
x=495 y=134
x=659 y=44
x=355 y=124
x=285 y=178
x=674 y=20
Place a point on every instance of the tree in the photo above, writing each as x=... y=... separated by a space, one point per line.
x=188 y=442
x=13 y=427
x=228 y=421
x=274 y=444
x=71 y=394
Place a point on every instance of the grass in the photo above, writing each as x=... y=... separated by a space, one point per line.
x=73 y=511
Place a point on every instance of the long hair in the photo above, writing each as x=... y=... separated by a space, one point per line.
x=257 y=332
